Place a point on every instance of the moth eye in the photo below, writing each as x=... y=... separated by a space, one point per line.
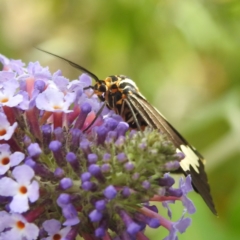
x=102 y=88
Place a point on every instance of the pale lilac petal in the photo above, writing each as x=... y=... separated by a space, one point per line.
x=33 y=191
x=4 y=121
x=60 y=81
x=5 y=126
x=5 y=148
x=4 y=155
x=172 y=235
x=42 y=103
x=31 y=231
x=10 y=131
x=85 y=80
x=71 y=221
x=23 y=174
x=16 y=158
x=69 y=98
x=63 y=232
x=4 y=60
x=188 y=204
x=13 y=101
x=38 y=72
x=52 y=226
x=4 y=169
x=6 y=76
x=7 y=94
x=8 y=187
x=13 y=234
x=49 y=99
x=183 y=224
x=24 y=104
x=3 y=220
x=10 y=87
x=53 y=100
x=19 y=203
x=16 y=217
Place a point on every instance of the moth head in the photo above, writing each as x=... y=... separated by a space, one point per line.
x=100 y=87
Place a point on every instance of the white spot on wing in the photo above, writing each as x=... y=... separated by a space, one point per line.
x=190 y=158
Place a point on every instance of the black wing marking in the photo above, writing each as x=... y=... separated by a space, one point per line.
x=193 y=163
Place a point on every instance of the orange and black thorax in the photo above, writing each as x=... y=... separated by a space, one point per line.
x=115 y=90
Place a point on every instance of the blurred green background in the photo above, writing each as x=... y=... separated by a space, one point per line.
x=183 y=54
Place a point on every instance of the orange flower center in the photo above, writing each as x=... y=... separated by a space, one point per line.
x=57 y=236
x=57 y=107
x=5 y=161
x=3 y=100
x=3 y=132
x=23 y=190
x=20 y=224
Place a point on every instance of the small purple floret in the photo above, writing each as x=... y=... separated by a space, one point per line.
x=59 y=172
x=122 y=128
x=34 y=150
x=100 y=205
x=86 y=176
x=146 y=184
x=71 y=215
x=129 y=166
x=154 y=223
x=183 y=224
x=92 y=158
x=186 y=187
x=126 y=191
x=106 y=157
x=111 y=124
x=121 y=157
x=111 y=137
x=120 y=142
x=55 y=146
x=180 y=156
x=105 y=168
x=100 y=232
x=133 y=228
x=142 y=146
x=95 y=170
x=95 y=216
x=174 y=192
x=71 y=157
x=173 y=165
x=59 y=134
x=26 y=141
x=135 y=176
x=89 y=186
x=166 y=181
x=63 y=199
x=66 y=183
x=39 y=85
x=152 y=208
x=101 y=134
x=85 y=146
x=110 y=192
x=86 y=108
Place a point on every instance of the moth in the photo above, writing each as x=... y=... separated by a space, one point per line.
x=122 y=95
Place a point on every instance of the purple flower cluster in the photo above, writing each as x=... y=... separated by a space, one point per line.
x=58 y=181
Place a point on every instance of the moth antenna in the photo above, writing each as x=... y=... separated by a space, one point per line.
x=73 y=65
